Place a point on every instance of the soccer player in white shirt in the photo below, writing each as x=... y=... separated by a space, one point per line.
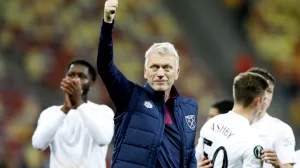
x=278 y=136
x=227 y=140
x=79 y=131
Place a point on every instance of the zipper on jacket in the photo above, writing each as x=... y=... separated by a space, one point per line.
x=155 y=156
x=181 y=131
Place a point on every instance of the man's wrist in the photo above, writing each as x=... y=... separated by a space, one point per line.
x=110 y=21
x=279 y=166
x=79 y=103
x=65 y=109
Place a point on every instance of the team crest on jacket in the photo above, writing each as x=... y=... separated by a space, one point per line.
x=190 y=120
x=148 y=104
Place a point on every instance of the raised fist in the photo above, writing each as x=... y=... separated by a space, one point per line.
x=110 y=9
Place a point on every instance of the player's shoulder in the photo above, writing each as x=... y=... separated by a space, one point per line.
x=279 y=124
x=207 y=124
x=219 y=119
x=50 y=111
x=225 y=119
x=99 y=106
x=214 y=119
x=52 y=108
x=102 y=108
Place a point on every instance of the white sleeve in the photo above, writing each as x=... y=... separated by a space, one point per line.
x=297 y=156
x=297 y=159
x=48 y=123
x=250 y=160
x=199 y=149
x=99 y=122
x=285 y=145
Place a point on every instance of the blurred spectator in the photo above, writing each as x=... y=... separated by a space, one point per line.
x=273 y=27
x=243 y=63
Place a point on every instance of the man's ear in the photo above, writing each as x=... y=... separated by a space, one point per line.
x=256 y=100
x=145 y=73
x=177 y=74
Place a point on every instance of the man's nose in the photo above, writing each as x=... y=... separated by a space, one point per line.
x=160 y=73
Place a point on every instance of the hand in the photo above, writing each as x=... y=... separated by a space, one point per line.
x=204 y=163
x=270 y=156
x=67 y=104
x=110 y=9
x=73 y=88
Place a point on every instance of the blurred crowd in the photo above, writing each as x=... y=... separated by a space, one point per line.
x=273 y=27
x=39 y=38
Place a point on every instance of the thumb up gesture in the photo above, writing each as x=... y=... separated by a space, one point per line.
x=110 y=9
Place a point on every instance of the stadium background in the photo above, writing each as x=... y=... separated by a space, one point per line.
x=216 y=39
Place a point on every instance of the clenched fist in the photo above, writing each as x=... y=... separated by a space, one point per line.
x=110 y=9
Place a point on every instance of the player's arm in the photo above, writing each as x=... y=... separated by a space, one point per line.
x=285 y=146
x=51 y=119
x=202 y=161
x=118 y=86
x=199 y=149
x=98 y=121
x=48 y=123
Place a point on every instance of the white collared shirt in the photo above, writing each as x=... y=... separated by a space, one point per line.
x=77 y=140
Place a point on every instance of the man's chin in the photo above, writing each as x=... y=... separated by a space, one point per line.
x=160 y=88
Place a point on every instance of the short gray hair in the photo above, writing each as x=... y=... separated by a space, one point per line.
x=164 y=48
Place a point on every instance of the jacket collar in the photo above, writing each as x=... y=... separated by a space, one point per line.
x=161 y=94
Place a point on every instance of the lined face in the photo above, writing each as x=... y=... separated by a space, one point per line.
x=161 y=71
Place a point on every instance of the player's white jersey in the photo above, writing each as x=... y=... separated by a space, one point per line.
x=229 y=142
x=297 y=159
x=276 y=135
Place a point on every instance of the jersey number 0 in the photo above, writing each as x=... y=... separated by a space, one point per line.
x=221 y=148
